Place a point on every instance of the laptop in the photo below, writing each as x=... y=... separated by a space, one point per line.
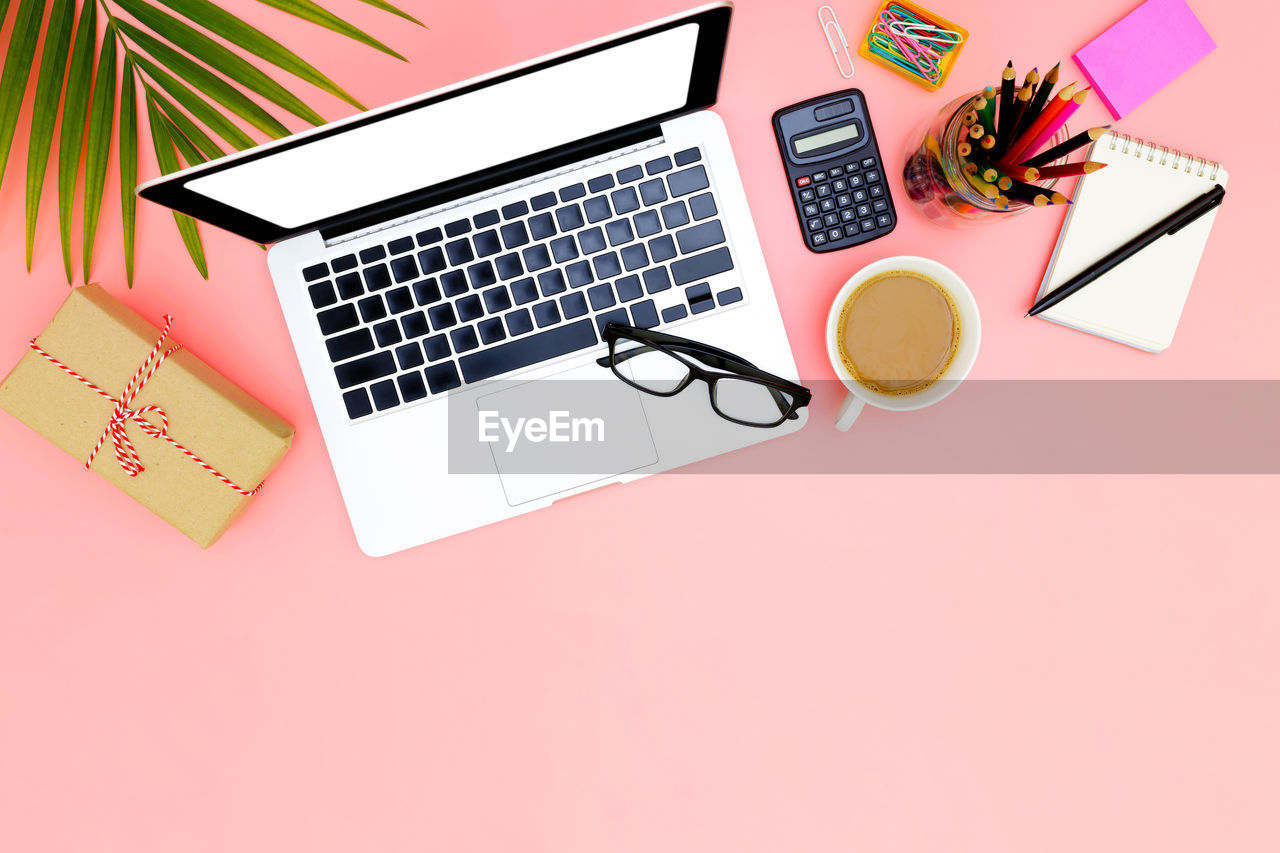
x=481 y=237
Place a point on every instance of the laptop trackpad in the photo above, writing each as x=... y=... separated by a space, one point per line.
x=562 y=432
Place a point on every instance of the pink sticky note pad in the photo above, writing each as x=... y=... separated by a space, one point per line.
x=1143 y=53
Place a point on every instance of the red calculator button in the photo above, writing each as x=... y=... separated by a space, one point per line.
x=803 y=182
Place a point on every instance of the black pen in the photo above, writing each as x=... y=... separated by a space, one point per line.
x=1180 y=218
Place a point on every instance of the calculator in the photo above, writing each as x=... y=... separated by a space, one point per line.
x=834 y=171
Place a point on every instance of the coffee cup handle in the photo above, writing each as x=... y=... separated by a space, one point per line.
x=849 y=411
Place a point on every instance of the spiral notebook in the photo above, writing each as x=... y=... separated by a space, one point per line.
x=1139 y=302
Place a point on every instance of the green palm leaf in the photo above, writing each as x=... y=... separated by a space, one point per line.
x=185 y=126
x=387 y=7
x=316 y=14
x=75 y=106
x=166 y=155
x=44 y=115
x=206 y=81
x=17 y=68
x=196 y=105
x=220 y=22
x=101 y=117
x=215 y=55
x=128 y=162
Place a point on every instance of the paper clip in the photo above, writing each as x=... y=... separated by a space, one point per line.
x=829 y=24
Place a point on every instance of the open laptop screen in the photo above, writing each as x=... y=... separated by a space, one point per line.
x=357 y=165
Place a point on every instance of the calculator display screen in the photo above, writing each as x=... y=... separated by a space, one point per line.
x=826 y=138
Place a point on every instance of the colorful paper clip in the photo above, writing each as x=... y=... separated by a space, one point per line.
x=911 y=43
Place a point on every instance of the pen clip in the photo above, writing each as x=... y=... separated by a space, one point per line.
x=1212 y=198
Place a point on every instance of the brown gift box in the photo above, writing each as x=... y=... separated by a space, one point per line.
x=95 y=335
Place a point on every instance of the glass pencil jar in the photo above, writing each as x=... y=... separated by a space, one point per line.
x=933 y=174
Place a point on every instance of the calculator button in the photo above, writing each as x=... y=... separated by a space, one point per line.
x=877 y=191
x=843 y=200
x=827 y=204
x=873 y=177
x=880 y=206
x=855 y=180
x=850 y=168
x=884 y=220
x=835 y=171
x=811 y=210
x=835 y=234
x=831 y=219
x=868 y=162
x=815 y=224
x=803 y=181
x=819 y=176
x=824 y=190
x=859 y=196
x=851 y=231
x=847 y=215
x=818 y=239
x=868 y=225
x=864 y=210
x=806 y=195
x=839 y=185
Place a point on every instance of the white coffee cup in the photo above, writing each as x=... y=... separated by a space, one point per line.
x=966 y=352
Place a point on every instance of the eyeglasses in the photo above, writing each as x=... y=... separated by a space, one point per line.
x=664 y=365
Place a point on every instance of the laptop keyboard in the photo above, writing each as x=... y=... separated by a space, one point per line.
x=532 y=280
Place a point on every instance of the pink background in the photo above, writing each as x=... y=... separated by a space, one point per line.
x=906 y=664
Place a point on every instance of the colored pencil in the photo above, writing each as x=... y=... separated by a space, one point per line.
x=987 y=112
x=1063 y=149
x=1001 y=201
x=1068 y=170
x=977 y=131
x=1028 y=193
x=970 y=168
x=964 y=149
x=969 y=119
x=1020 y=173
x=1067 y=109
x=1022 y=145
x=1043 y=91
x=1006 y=98
x=1020 y=102
x=990 y=174
x=1032 y=79
x=987 y=189
x=987 y=142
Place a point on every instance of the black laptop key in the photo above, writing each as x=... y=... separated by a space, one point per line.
x=400 y=245
x=536 y=258
x=607 y=265
x=516 y=208
x=377 y=277
x=625 y=200
x=460 y=252
x=563 y=249
x=349 y=286
x=703 y=206
x=496 y=299
x=357 y=403
x=427 y=292
x=631 y=173
x=523 y=352
x=399 y=300
x=662 y=248
x=700 y=236
x=629 y=288
x=652 y=192
x=552 y=282
x=509 y=266
x=698 y=291
x=601 y=297
x=634 y=257
x=431 y=235
x=657 y=280
x=591 y=241
x=579 y=273
x=454 y=283
x=546 y=314
x=388 y=333
x=365 y=369
x=457 y=227
x=409 y=356
x=514 y=235
x=491 y=331
x=322 y=295
x=414 y=325
x=647 y=223
x=349 y=345
x=442 y=377
x=675 y=215
x=464 y=339
x=569 y=217
x=437 y=347
x=404 y=269
x=662 y=164
x=687 y=181
x=469 y=308
x=373 y=253
x=675 y=312
x=315 y=271
x=338 y=319
x=412 y=386
x=697 y=306
x=600 y=184
x=543 y=201
x=619 y=232
x=730 y=296
x=687 y=156
x=344 y=263
x=644 y=314
x=597 y=208
x=705 y=265
x=573 y=305
x=542 y=226
x=519 y=322
x=484 y=220
x=486 y=243
x=432 y=260
x=617 y=315
x=371 y=308
x=442 y=317
x=572 y=192
x=524 y=291
x=481 y=274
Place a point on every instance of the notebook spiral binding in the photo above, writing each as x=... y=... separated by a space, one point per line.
x=1180 y=160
